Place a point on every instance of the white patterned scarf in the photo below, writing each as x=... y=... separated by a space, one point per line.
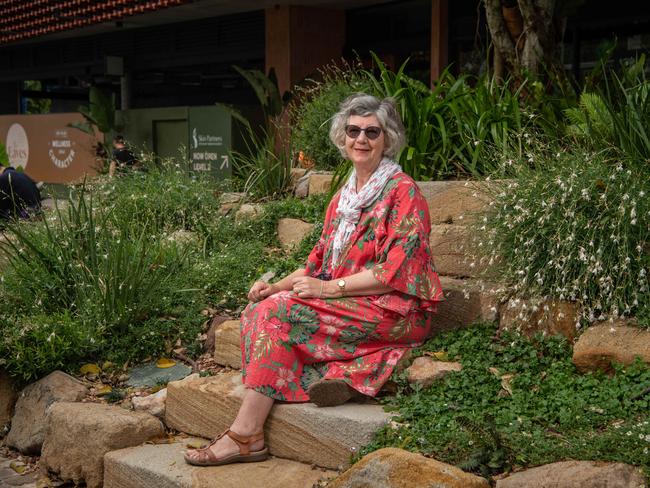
x=351 y=203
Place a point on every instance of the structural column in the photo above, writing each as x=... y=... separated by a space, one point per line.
x=299 y=40
x=439 y=38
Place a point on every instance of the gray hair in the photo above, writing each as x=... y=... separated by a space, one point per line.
x=364 y=106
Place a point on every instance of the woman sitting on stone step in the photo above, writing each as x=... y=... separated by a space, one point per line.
x=336 y=328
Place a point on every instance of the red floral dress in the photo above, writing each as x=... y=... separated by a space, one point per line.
x=289 y=342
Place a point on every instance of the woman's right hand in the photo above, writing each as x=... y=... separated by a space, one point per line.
x=260 y=290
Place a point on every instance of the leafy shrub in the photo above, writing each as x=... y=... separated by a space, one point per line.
x=576 y=228
x=265 y=169
x=450 y=128
x=551 y=413
x=616 y=117
x=313 y=107
x=83 y=268
x=163 y=199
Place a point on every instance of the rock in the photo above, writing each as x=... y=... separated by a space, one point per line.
x=162 y=466
x=231 y=197
x=455 y=202
x=248 y=211
x=7 y=399
x=227 y=350
x=451 y=247
x=297 y=174
x=303 y=432
x=152 y=404
x=576 y=474
x=229 y=201
x=320 y=183
x=466 y=302
x=301 y=188
x=216 y=321
x=183 y=237
x=268 y=276
x=602 y=344
x=28 y=423
x=397 y=468
x=550 y=317
x=425 y=371
x=291 y=232
x=79 y=434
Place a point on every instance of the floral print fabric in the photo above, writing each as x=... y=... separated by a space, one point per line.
x=289 y=342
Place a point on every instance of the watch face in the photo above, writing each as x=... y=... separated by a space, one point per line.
x=341 y=283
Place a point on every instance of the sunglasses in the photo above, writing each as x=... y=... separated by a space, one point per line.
x=372 y=132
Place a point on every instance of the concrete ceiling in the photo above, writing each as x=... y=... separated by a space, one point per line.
x=198 y=9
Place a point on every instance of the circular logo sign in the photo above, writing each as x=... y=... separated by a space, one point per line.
x=17 y=146
x=61 y=150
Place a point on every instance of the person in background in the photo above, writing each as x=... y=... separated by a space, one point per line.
x=122 y=156
x=334 y=330
x=19 y=195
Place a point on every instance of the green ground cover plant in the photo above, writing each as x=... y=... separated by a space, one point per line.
x=545 y=412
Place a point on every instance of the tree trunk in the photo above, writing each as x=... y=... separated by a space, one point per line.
x=533 y=47
x=504 y=48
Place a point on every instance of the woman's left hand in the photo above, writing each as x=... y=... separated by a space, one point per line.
x=308 y=287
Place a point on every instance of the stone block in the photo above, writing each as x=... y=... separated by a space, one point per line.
x=452 y=250
x=291 y=232
x=227 y=350
x=320 y=183
x=215 y=322
x=301 y=187
x=601 y=345
x=28 y=423
x=397 y=468
x=162 y=466
x=248 y=211
x=7 y=398
x=79 y=434
x=466 y=302
x=576 y=474
x=303 y=432
x=455 y=202
x=550 y=317
x=425 y=371
x=153 y=404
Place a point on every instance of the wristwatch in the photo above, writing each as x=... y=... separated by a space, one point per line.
x=341 y=284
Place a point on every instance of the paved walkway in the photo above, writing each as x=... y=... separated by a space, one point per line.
x=9 y=477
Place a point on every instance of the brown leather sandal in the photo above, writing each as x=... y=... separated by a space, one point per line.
x=329 y=393
x=207 y=458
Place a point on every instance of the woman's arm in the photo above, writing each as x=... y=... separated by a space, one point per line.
x=359 y=284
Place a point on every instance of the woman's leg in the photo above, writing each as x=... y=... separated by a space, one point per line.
x=254 y=410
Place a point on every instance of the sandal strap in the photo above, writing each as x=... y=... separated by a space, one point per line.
x=244 y=442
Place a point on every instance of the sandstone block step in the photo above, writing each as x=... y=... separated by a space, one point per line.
x=466 y=302
x=226 y=344
x=452 y=247
x=456 y=202
x=303 y=432
x=162 y=466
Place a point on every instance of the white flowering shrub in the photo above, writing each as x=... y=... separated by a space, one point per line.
x=576 y=228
